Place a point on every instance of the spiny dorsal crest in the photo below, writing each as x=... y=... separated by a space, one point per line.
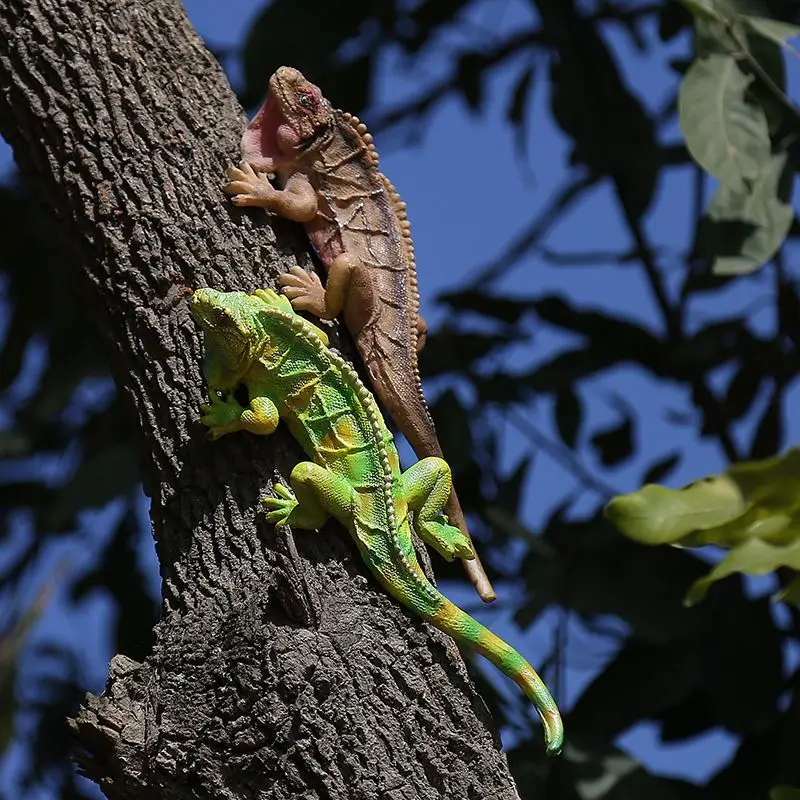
x=366 y=137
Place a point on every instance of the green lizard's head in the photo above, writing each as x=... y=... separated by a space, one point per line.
x=229 y=322
x=293 y=119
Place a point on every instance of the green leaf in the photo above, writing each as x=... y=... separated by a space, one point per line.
x=791 y=594
x=784 y=793
x=773 y=29
x=702 y=8
x=726 y=135
x=657 y=515
x=755 y=557
x=766 y=212
x=753 y=509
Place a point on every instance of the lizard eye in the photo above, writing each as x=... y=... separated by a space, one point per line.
x=306 y=101
x=221 y=316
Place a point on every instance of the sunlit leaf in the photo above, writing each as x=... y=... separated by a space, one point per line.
x=725 y=134
x=751 y=224
x=753 y=509
x=773 y=29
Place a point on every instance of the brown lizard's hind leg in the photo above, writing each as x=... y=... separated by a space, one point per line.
x=306 y=292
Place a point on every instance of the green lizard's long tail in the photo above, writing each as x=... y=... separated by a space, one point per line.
x=460 y=625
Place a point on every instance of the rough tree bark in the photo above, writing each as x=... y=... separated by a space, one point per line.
x=279 y=669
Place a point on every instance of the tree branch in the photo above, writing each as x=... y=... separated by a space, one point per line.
x=278 y=670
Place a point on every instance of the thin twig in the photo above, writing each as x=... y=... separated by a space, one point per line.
x=563 y=456
x=553 y=209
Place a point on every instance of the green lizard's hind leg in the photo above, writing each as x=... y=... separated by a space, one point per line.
x=316 y=494
x=426 y=487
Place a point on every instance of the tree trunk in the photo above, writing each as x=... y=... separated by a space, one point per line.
x=279 y=669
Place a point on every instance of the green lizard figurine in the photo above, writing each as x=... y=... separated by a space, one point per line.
x=258 y=341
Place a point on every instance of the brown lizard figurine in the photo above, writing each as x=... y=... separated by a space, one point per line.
x=327 y=166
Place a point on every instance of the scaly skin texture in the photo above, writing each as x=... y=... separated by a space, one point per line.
x=259 y=342
x=328 y=167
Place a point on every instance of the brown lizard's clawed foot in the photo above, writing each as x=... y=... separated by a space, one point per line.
x=248 y=187
x=305 y=290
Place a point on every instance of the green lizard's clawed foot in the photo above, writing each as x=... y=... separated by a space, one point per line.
x=221 y=415
x=446 y=539
x=426 y=486
x=280 y=507
x=226 y=415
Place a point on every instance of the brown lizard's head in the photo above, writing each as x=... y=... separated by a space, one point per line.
x=293 y=118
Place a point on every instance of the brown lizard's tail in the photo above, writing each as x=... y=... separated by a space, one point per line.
x=401 y=395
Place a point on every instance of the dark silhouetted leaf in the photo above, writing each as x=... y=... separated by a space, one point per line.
x=688 y=718
x=267 y=47
x=672 y=20
x=789 y=312
x=589 y=99
x=569 y=412
x=566 y=368
x=661 y=468
x=742 y=391
x=615 y=444
x=745 y=634
x=769 y=434
x=614 y=332
x=450 y=350
x=504 y=309
x=470 y=78
x=518 y=106
x=672 y=675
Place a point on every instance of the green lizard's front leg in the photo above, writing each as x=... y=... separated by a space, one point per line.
x=318 y=494
x=224 y=414
x=426 y=488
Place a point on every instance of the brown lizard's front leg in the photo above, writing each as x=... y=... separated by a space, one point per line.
x=306 y=292
x=296 y=201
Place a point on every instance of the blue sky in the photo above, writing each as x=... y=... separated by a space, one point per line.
x=467 y=195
